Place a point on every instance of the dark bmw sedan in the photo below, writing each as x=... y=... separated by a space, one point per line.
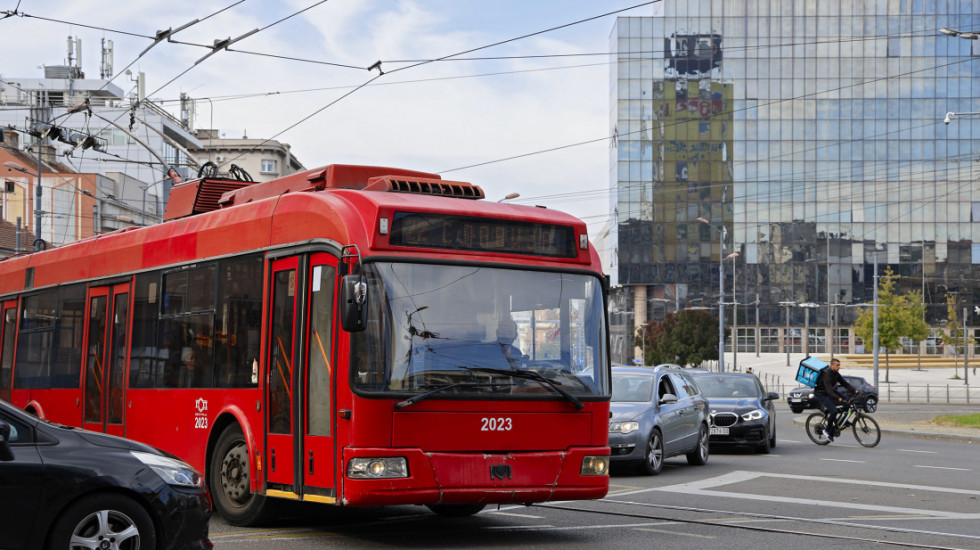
x=741 y=411
x=66 y=488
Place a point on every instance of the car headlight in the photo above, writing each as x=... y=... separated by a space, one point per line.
x=170 y=470
x=377 y=468
x=753 y=415
x=623 y=427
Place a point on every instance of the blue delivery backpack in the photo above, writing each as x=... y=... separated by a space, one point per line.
x=809 y=370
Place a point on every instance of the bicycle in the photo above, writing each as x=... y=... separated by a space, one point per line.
x=865 y=428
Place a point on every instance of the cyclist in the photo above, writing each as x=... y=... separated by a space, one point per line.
x=823 y=392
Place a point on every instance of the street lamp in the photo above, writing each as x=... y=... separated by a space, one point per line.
x=510 y=196
x=959 y=34
x=951 y=116
x=721 y=292
x=38 y=195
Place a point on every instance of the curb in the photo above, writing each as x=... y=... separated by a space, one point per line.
x=910 y=431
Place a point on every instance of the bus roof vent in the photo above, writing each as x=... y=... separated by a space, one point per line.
x=425 y=186
x=197 y=197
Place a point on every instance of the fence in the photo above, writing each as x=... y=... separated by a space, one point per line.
x=896 y=393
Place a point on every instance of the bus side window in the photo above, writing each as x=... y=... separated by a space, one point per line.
x=237 y=327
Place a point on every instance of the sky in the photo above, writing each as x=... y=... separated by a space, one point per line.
x=534 y=120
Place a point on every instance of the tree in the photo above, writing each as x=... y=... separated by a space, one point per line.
x=954 y=334
x=686 y=338
x=899 y=316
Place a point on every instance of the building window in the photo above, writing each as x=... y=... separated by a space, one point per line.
x=269 y=166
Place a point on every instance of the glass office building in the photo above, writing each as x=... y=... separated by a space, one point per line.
x=810 y=136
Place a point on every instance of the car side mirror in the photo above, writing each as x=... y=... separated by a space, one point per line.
x=5 y=454
x=353 y=299
x=772 y=396
x=668 y=399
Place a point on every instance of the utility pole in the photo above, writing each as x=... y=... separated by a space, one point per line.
x=38 y=195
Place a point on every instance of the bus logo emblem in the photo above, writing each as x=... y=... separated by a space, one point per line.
x=500 y=471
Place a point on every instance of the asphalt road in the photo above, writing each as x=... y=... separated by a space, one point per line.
x=905 y=493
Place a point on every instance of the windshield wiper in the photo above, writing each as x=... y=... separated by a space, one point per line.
x=416 y=398
x=532 y=375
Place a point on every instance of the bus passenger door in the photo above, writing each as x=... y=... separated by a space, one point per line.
x=281 y=359
x=8 y=329
x=318 y=449
x=106 y=358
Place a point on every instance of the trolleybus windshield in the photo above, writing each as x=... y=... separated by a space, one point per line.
x=480 y=331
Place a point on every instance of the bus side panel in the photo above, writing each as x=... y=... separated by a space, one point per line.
x=62 y=406
x=180 y=420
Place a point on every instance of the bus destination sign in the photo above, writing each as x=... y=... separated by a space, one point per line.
x=429 y=230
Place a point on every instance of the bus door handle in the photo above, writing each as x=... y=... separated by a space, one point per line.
x=311 y=462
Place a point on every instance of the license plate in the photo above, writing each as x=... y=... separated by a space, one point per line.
x=795 y=400
x=719 y=431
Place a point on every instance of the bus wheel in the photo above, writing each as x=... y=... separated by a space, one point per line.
x=229 y=481
x=455 y=510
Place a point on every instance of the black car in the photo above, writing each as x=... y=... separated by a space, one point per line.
x=741 y=410
x=656 y=413
x=64 y=487
x=802 y=397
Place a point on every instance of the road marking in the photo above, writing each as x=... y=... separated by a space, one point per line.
x=575 y=527
x=842 y=460
x=943 y=468
x=917 y=451
x=622 y=488
x=668 y=532
x=529 y=516
x=706 y=487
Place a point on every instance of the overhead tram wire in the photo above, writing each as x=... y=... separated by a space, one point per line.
x=382 y=72
x=453 y=58
x=677 y=123
x=220 y=45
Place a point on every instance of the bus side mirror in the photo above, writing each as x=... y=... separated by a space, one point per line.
x=5 y=454
x=353 y=299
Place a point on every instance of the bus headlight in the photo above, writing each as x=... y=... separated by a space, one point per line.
x=377 y=468
x=595 y=466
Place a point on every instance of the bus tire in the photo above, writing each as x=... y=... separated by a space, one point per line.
x=229 y=481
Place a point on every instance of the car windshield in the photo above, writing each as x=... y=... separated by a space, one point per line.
x=435 y=325
x=721 y=387
x=632 y=388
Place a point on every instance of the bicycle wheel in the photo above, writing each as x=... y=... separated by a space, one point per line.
x=814 y=428
x=866 y=431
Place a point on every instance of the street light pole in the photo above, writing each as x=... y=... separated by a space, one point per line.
x=721 y=294
x=786 y=343
x=733 y=256
x=807 y=306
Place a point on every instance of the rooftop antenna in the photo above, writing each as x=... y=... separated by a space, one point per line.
x=106 y=69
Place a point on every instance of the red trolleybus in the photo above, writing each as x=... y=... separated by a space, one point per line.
x=351 y=335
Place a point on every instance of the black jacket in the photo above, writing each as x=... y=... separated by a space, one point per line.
x=827 y=379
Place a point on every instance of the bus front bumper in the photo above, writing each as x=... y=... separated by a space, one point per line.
x=578 y=473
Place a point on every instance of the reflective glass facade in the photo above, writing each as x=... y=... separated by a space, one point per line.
x=810 y=134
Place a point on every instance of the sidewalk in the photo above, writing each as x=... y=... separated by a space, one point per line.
x=772 y=370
